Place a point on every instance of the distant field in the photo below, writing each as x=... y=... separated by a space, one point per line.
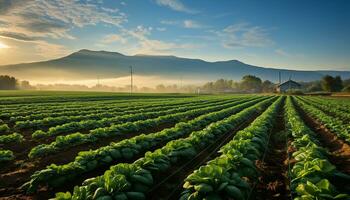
x=171 y=146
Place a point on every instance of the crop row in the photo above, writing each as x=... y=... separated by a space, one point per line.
x=133 y=181
x=38 y=109
x=129 y=148
x=64 y=142
x=52 y=99
x=331 y=109
x=312 y=171
x=6 y=155
x=332 y=123
x=52 y=121
x=11 y=138
x=232 y=174
x=100 y=110
x=335 y=103
x=123 y=117
x=4 y=128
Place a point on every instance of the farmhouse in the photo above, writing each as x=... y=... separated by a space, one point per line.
x=288 y=85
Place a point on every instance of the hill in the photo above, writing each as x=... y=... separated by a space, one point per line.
x=87 y=64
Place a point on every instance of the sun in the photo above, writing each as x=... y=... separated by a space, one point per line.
x=3 y=46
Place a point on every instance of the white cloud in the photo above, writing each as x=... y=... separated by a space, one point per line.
x=185 y=23
x=48 y=50
x=142 y=43
x=175 y=5
x=191 y=24
x=54 y=18
x=35 y=21
x=113 y=38
x=244 y=35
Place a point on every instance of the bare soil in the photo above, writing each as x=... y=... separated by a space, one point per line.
x=273 y=182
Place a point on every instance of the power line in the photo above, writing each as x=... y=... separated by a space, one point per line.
x=131 y=80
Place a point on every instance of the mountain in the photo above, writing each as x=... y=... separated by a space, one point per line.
x=87 y=64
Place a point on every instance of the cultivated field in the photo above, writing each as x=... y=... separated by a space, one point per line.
x=114 y=146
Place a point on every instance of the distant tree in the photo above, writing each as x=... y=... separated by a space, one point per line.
x=209 y=87
x=338 y=84
x=8 y=82
x=268 y=86
x=327 y=83
x=251 y=83
x=331 y=84
x=221 y=85
x=314 y=87
x=160 y=88
x=25 y=85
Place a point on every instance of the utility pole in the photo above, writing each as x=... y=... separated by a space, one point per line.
x=180 y=84
x=279 y=77
x=131 y=80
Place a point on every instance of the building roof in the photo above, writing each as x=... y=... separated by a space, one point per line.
x=287 y=82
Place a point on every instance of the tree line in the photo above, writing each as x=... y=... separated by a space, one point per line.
x=11 y=83
x=248 y=84
x=328 y=84
x=254 y=84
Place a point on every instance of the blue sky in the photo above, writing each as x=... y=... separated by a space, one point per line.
x=294 y=34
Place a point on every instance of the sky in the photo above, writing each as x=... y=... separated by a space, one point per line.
x=291 y=34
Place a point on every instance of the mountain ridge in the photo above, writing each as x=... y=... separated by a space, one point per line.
x=88 y=64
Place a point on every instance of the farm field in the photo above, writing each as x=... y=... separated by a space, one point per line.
x=86 y=145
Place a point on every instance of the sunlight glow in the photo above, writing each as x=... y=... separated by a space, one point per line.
x=3 y=46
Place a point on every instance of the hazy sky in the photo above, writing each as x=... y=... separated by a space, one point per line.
x=294 y=34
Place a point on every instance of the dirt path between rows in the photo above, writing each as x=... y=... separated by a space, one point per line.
x=273 y=182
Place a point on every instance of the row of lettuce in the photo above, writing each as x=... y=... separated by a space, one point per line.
x=8 y=111
x=133 y=181
x=141 y=113
x=97 y=114
x=226 y=176
x=7 y=138
x=334 y=124
x=40 y=111
x=312 y=171
x=129 y=149
x=123 y=117
x=231 y=175
x=71 y=140
x=336 y=110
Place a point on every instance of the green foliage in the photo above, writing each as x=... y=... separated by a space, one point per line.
x=312 y=170
x=331 y=84
x=4 y=128
x=222 y=177
x=14 y=137
x=251 y=83
x=87 y=161
x=162 y=159
x=8 y=82
x=6 y=155
x=336 y=125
